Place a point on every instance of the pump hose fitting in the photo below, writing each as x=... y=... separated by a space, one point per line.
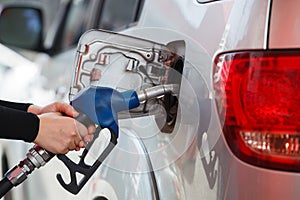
x=35 y=158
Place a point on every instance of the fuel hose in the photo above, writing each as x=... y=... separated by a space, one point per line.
x=5 y=186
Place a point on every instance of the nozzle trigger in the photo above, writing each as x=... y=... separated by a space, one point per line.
x=86 y=170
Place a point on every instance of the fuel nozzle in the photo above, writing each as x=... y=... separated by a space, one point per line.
x=101 y=105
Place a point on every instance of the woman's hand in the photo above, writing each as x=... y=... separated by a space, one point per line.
x=59 y=132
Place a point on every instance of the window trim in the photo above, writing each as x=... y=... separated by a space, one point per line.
x=206 y=1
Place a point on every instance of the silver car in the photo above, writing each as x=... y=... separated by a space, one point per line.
x=236 y=131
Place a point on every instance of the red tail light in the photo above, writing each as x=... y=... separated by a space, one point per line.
x=258 y=99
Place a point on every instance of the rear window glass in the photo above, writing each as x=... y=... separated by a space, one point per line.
x=118 y=14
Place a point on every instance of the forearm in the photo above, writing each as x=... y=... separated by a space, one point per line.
x=18 y=124
x=14 y=105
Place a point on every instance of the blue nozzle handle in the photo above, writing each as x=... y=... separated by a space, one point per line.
x=101 y=105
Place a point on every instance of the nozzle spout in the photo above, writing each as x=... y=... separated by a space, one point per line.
x=156 y=91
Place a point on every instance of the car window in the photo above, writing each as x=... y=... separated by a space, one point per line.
x=118 y=14
x=75 y=23
x=113 y=15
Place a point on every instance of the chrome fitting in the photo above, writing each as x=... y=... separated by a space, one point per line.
x=156 y=91
x=35 y=158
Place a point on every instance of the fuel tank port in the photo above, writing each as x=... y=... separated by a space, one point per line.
x=170 y=101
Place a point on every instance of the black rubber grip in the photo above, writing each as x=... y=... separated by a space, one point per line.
x=5 y=186
x=83 y=118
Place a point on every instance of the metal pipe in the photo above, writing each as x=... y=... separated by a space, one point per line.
x=156 y=91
